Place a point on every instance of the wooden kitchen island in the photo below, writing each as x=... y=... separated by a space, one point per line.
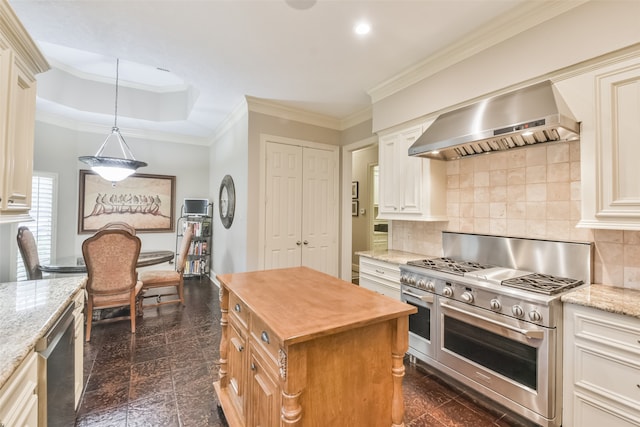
x=302 y=348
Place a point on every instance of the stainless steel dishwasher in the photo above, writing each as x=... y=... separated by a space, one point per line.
x=56 y=395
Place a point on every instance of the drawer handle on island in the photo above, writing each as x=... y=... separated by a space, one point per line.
x=253 y=366
x=237 y=344
x=237 y=308
x=264 y=337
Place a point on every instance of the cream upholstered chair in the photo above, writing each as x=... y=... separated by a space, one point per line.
x=168 y=278
x=29 y=252
x=112 y=280
x=118 y=225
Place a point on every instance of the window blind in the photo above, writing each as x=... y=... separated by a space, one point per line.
x=43 y=213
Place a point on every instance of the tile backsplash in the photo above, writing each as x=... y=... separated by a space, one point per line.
x=533 y=193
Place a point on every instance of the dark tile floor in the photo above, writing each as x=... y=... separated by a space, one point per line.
x=163 y=375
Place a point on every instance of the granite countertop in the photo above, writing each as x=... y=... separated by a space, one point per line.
x=393 y=256
x=614 y=299
x=27 y=310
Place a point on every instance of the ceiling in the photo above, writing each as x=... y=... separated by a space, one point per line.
x=185 y=66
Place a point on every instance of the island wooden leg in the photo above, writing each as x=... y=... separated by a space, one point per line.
x=293 y=380
x=399 y=348
x=224 y=341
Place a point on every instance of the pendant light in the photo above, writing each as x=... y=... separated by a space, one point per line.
x=114 y=168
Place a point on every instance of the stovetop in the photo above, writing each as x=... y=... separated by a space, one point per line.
x=525 y=280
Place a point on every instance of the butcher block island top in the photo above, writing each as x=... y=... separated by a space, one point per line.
x=302 y=348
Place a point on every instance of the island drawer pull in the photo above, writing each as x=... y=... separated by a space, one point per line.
x=237 y=308
x=237 y=344
x=253 y=366
x=264 y=336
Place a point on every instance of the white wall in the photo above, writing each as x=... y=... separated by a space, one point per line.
x=229 y=156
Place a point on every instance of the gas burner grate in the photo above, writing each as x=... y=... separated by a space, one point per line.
x=542 y=283
x=449 y=265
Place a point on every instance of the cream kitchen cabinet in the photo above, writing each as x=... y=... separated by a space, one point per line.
x=411 y=188
x=605 y=99
x=601 y=368
x=19 y=396
x=20 y=61
x=380 y=276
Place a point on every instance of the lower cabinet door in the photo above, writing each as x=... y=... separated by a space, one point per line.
x=236 y=365
x=265 y=394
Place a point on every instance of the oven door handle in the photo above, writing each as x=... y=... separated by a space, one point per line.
x=424 y=298
x=530 y=334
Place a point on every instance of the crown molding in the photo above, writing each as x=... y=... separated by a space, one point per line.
x=20 y=40
x=80 y=126
x=236 y=115
x=111 y=80
x=272 y=108
x=356 y=118
x=514 y=22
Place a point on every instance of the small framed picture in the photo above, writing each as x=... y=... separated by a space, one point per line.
x=354 y=189
x=354 y=208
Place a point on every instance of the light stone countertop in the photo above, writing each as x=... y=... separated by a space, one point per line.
x=27 y=310
x=393 y=256
x=614 y=299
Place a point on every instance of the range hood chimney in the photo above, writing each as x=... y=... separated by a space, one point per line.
x=532 y=115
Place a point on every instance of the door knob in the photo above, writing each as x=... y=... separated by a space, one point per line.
x=306 y=242
x=298 y=243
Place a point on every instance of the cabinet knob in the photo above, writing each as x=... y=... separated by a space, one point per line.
x=264 y=337
x=253 y=366
x=237 y=308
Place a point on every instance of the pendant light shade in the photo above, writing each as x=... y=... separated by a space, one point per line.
x=114 y=168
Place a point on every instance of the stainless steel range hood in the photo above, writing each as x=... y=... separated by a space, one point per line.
x=532 y=115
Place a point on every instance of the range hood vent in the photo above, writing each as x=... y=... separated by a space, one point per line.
x=532 y=115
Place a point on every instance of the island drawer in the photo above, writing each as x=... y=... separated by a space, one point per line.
x=239 y=310
x=265 y=337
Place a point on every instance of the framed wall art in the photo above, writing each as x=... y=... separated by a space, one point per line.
x=143 y=201
x=354 y=189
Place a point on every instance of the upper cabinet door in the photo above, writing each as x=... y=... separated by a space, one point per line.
x=19 y=144
x=411 y=188
x=607 y=101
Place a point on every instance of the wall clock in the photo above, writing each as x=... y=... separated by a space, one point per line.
x=227 y=201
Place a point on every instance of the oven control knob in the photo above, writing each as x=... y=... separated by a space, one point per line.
x=517 y=311
x=535 y=316
x=431 y=286
x=447 y=292
x=495 y=305
x=422 y=284
x=403 y=278
x=467 y=297
x=412 y=280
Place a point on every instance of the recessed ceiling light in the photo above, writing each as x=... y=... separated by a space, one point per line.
x=362 y=28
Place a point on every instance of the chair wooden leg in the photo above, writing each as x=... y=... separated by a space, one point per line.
x=132 y=308
x=181 y=291
x=89 y=319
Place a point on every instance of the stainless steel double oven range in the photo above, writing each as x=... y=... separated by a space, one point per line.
x=490 y=316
